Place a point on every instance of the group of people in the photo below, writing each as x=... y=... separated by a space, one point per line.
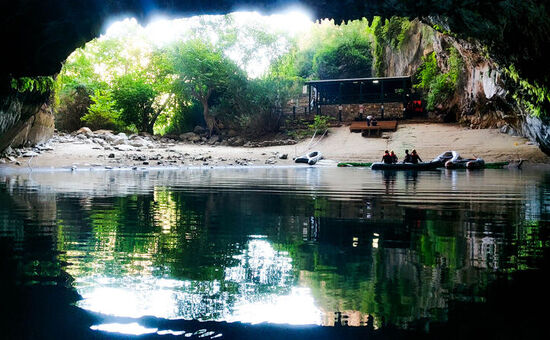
x=391 y=158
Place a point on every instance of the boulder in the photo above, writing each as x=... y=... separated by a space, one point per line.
x=119 y=141
x=98 y=141
x=199 y=130
x=108 y=137
x=213 y=139
x=189 y=136
x=235 y=141
x=138 y=142
x=85 y=131
x=8 y=151
x=124 y=147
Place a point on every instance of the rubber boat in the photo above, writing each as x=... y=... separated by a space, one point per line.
x=457 y=162
x=310 y=158
x=435 y=163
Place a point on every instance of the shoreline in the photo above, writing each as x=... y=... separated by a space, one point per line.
x=83 y=153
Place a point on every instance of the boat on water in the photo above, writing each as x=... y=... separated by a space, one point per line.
x=310 y=158
x=457 y=162
x=406 y=166
x=435 y=163
x=438 y=162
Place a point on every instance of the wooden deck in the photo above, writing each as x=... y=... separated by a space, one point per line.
x=385 y=125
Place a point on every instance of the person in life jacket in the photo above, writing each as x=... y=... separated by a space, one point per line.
x=407 y=158
x=387 y=159
x=393 y=157
x=415 y=158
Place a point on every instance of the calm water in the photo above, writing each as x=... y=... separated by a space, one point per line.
x=276 y=245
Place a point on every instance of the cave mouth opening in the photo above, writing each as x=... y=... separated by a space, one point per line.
x=135 y=76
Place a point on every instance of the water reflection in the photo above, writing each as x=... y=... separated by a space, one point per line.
x=278 y=246
x=258 y=288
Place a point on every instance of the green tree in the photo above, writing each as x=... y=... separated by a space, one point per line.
x=343 y=61
x=138 y=101
x=102 y=112
x=200 y=70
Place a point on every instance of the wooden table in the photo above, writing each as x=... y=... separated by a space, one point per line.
x=385 y=125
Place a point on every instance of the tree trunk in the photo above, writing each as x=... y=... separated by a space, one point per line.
x=210 y=121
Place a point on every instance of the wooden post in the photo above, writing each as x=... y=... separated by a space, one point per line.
x=309 y=99
x=340 y=102
x=382 y=99
x=317 y=102
x=403 y=84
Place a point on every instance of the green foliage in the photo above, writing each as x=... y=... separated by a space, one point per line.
x=392 y=33
x=320 y=124
x=35 y=84
x=201 y=71
x=531 y=95
x=255 y=107
x=102 y=113
x=343 y=61
x=73 y=106
x=185 y=118
x=122 y=69
x=438 y=86
x=330 y=51
x=135 y=99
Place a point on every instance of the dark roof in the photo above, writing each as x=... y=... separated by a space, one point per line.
x=354 y=80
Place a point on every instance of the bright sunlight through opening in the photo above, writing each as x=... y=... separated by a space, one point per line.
x=161 y=31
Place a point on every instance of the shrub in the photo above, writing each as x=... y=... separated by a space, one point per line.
x=102 y=113
x=320 y=124
x=438 y=86
x=73 y=106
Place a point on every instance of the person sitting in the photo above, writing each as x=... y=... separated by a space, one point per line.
x=407 y=158
x=373 y=121
x=415 y=158
x=369 y=119
x=387 y=159
x=393 y=157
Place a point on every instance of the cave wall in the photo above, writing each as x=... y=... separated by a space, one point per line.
x=482 y=98
x=25 y=119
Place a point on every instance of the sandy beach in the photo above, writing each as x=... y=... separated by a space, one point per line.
x=339 y=145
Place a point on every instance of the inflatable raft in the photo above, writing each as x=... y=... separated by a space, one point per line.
x=310 y=158
x=477 y=163
x=457 y=162
x=435 y=163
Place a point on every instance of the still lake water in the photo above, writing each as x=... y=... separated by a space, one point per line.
x=277 y=245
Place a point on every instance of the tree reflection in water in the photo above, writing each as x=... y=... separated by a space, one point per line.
x=394 y=254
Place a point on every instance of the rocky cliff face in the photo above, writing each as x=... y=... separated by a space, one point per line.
x=25 y=119
x=482 y=98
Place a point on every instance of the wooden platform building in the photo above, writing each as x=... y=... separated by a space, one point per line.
x=327 y=96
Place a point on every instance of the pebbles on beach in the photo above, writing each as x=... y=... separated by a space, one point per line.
x=104 y=148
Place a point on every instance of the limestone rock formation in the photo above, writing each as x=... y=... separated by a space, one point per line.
x=482 y=98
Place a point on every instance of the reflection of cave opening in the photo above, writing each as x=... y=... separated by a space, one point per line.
x=259 y=288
